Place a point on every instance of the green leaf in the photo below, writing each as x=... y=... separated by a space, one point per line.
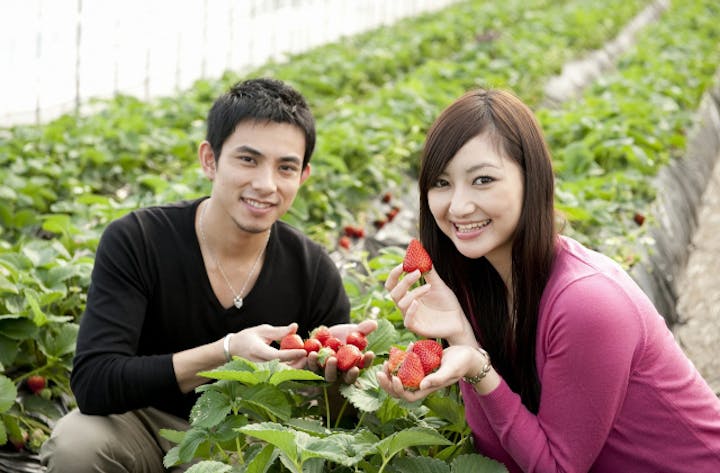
x=210 y=409
x=286 y=440
x=475 y=463
x=59 y=342
x=190 y=444
x=174 y=436
x=268 y=399
x=209 y=467
x=420 y=465
x=291 y=374
x=3 y=433
x=412 y=437
x=6 y=286
x=8 y=393
x=39 y=317
x=380 y=340
x=446 y=408
x=8 y=350
x=18 y=329
x=365 y=394
x=262 y=461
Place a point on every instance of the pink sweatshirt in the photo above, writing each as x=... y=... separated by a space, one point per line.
x=617 y=393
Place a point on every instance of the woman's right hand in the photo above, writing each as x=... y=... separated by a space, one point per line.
x=431 y=310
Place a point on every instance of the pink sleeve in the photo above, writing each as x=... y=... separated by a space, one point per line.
x=588 y=338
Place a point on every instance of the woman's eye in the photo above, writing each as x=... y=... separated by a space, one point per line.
x=483 y=180
x=440 y=183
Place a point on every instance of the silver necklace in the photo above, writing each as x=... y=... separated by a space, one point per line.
x=237 y=296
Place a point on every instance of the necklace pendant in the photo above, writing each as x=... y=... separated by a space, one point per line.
x=238 y=301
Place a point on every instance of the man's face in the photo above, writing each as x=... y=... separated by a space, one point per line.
x=258 y=173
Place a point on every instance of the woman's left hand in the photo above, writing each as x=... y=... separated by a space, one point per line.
x=456 y=361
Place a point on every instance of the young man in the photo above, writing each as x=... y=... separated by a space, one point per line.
x=181 y=288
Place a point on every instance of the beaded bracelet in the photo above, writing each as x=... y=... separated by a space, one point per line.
x=483 y=372
x=226 y=346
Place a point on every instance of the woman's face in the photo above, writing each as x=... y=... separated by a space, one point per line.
x=477 y=201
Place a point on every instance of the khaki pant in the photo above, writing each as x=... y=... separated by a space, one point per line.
x=118 y=443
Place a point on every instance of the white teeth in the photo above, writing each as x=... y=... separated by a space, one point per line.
x=472 y=226
x=256 y=204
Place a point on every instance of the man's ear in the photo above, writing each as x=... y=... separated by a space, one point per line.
x=207 y=160
x=305 y=173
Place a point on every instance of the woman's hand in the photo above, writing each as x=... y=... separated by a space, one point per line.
x=431 y=310
x=341 y=331
x=457 y=361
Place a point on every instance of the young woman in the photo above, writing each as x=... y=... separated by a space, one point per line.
x=565 y=363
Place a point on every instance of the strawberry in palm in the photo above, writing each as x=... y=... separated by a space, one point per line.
x=430 y=353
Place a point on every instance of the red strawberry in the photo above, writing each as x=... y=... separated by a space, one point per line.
x=392 y=213
x=353 y=231
x=20 y=440
x=344 y=242
x=348 y=356
x=430 y=353
x=36 y=383
x=416 y=258
x=334 y=343
x=396 y=358
x=357 y=338
x=323 y=354
x=411 y=371
x=291 y=342
x=639 y=218
x=312 y=344
x=321 y=333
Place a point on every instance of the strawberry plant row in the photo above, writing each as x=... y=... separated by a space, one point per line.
x=610 y=144
x=373 y=143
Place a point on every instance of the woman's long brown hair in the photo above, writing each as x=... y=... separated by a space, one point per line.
x=507 y=333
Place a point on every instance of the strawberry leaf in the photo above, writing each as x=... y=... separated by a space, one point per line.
x=291 y=374
x=416 y=436
x=209 y=410
x=286 y=440
x=266 y=401
x=420 y=465
x=8 y=392
x=474 y=463
x=381 y=339
x=365 y=394
x=209 y=467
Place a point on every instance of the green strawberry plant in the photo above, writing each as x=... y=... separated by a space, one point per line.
x=259 y=417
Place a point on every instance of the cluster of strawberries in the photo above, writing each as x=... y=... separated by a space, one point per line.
x=348 y=352
x=412 y=366
x=387 y=214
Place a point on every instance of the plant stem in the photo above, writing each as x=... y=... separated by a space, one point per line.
x=327 y=406
x=359 y=422
x=339 y=416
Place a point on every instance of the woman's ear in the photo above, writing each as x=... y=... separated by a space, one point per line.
x=207 y=160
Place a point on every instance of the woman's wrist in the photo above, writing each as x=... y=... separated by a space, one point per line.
x=478 y=371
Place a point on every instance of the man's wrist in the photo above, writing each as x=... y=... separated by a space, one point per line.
x=226 y=346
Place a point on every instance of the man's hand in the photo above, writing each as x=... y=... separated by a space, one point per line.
x=254 y=344
x=341 y=332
